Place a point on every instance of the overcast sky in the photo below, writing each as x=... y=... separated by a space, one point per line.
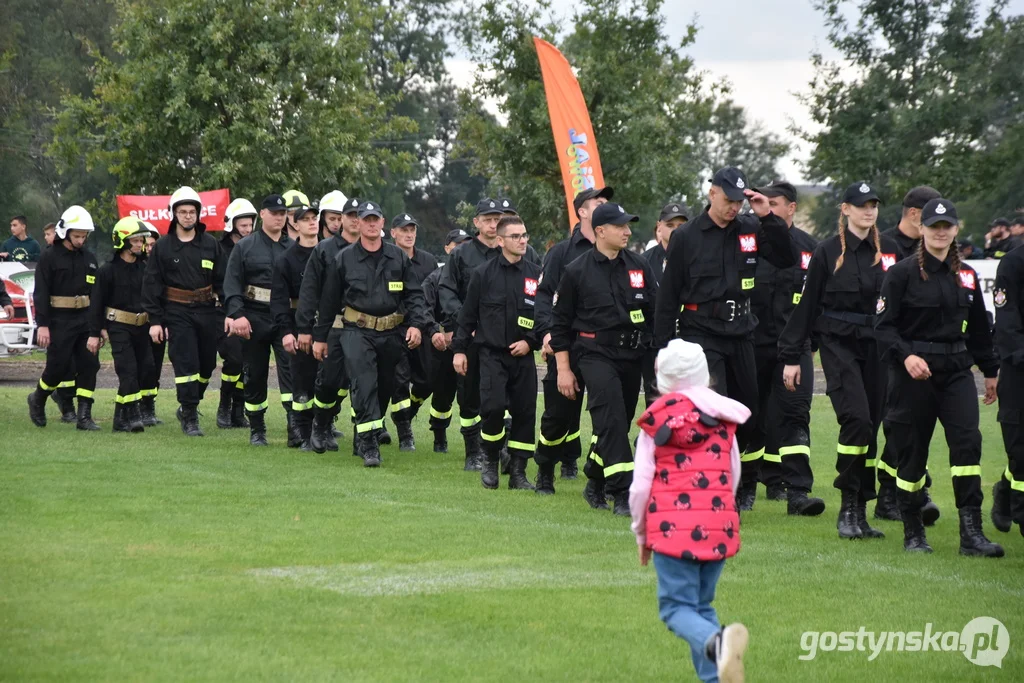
x=762 y=47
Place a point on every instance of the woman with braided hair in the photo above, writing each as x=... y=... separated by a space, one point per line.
x=931 y=328
x=838 y=308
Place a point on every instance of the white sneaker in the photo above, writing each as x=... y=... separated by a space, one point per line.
x=732 y=645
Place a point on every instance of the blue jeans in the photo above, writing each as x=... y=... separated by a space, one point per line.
x=685 y=591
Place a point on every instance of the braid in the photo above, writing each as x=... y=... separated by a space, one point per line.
x=955 y=254
x=842 y=243
x=877 y=237
x=919 y=252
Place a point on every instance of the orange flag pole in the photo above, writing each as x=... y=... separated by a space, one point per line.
x=575 y=143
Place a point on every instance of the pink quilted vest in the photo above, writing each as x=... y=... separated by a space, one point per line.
x=691 y=513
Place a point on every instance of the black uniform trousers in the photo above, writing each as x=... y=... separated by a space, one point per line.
x=193 y=333
x=1011 y=410
x=613 y=391
x=132 y=350
x=412 y=382
x=302 y=375
x=560 y=422
x=230 y=350
x=67 y=353
x=332 y=383
x=912 y=409
x=785 y=421
x=512 y=381
x=469 y=393
x=370 y=360
x=444 y=382
x=733 y=373
x=256 y=361
x=650 y=378
x=855 y=381
x=151 y=381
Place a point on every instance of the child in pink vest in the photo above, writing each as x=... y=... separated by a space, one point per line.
x=683 y=505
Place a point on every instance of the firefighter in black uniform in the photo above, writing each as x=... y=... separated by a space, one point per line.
x=931 y=327
x=711 y=273
x=412 y=383
x=371 y=290
x=498 y=317
x=247 y=308
x=332 y=383
x=1008 y=297
x=65 y=276
x=1000 y=240
x=785 y=417
x=838 y=307
x=332 y=212
x=671 y=217
x=293 y=200
x=151 y=383
x=559 y=438
x=284 y=299
x=602 y=314
x=906 y=235
x=239 y=220
x=443 y=378
x=184 y=278
x=117 y=315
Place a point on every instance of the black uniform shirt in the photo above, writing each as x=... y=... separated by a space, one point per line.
x=1008 y=297
x=190 y=265
x=906 y=246
x=944 y=309
x=288 y=272
x=119 y=285
x=423 y=264
x=777 y=291
x=555 y=261
x=227 y=245
x=500 y=305
x=376 y=287
x=251 y=264
x=463 y=260
x=598 y=294
x=313 y=280
x=854 y=289
x=707 y=264
x=1002 y=247
x=433 y=305
x=657 y=257
x=62 y=272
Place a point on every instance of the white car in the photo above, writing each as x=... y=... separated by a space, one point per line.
x=17 y=335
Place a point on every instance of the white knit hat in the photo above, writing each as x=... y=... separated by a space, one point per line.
x=681 y=365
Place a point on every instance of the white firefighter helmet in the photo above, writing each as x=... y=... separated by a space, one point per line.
x=333 y=201
x=185 y=195
x=240 y=208
x=74 y=218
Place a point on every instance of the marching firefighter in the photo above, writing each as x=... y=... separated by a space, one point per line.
x=239 y=220
x=184 y=278
x=65 y=277
x=284 y=299
x=117 y=316
x=371 y=290
x=602 y=315
x=331 y=218
x=151 y=382
x=293 y=200
x=498 y=317
x=247 y=285
x=332 y=383
x=412 y=383
x=932 y=326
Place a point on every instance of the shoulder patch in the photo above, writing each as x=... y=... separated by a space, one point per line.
x=880 y=306
x=966 y=278
x=999 y=298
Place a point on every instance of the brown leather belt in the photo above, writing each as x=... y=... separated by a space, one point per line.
x=118 y=316
x=75 y=302
x=190 y=296
x=258 y=294
x=369 y=322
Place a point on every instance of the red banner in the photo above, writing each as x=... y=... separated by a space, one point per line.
x=155 y=209
x=570 y=124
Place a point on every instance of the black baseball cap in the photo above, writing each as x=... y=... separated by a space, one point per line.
x=938 y=210
x=919 y=196
x=403 y=219
x=273 y=202
x=611 y=214
x=458 y=236
x=859 y=194
x=1018 y=219
x=673 y=210
x=508 y=206
x=779 y=188
x=302 y=210
x=370 y=209
x=488 y=206
x=590 y=193
x=733 y=182
x=352 y=205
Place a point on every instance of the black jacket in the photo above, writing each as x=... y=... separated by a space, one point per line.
x=313 y=280
x=1008 y=297
x=62 y=272
x=905 y=246
x=433 y=305
x=288 y=272
x=461 y=263
x=251 y=264
x=555 y=262
x=185 y=265
x=499 y=306
x=777 y=291
x=119 y=285
x=658 y=258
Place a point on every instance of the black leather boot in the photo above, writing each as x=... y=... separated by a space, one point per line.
x=85 y=421
x=406 y=441
x=65 y=400
x=504 y=459
x=929 y=510
x=238 y=420
x=257 y=428
x=775 y=492
x=848 y=524
x=620 y=504
x=546 y=479
x=474 y=451
x=148 y=408
x=489 y=468
x=383 y=437
x=972 y=540
x=914 y=539
x=37 y=408
x=119 y=424
x=224 y=407
x=799 y=503
x=517 y=474
x=1001 y=517
x=570 y=469
x=188 y=416
x=593 y=493
x=133 y=416
x=320 y=430
x=887 y=506
x=866 y=530
x=369 y=448
x=440 y=440
x=304 y=420
x=294 y=436
x=745 y=496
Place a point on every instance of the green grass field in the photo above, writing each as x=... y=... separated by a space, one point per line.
x=153 y=557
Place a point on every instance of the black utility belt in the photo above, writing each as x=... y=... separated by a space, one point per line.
x=938 y=348
x=624 y=339
x=852 y=318
x=728 y=309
